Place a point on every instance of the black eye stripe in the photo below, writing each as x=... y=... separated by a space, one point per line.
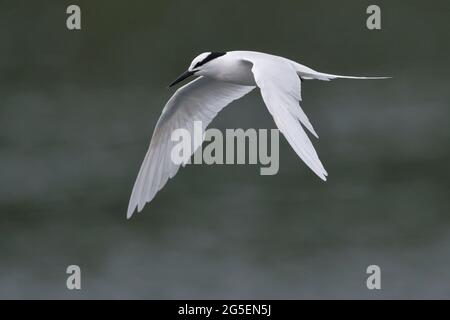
x=210 y=57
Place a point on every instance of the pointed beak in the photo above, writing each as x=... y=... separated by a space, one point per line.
x=185 y=75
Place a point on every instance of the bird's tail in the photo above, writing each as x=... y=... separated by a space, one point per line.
x=309 y=74
x=328 y=77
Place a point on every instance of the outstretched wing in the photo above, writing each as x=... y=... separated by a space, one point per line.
x=199 y=100
x=280 y=89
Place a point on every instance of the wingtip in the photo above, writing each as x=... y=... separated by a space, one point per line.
x=130 y=211
x=324 y=176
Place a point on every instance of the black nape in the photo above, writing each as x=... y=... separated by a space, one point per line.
x=208 y=58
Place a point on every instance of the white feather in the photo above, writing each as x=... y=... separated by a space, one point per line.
x=201 y=100
x=280 y=90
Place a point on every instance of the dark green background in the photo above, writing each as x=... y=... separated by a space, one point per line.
x=77 y=109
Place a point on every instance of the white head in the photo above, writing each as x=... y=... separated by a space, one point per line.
x=199 y=65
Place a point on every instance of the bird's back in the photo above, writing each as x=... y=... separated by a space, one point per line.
x=255 y=56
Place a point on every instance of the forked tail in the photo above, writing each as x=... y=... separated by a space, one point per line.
x=309 y=74
x=328 y=77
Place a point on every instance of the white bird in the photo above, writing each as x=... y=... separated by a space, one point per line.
x=223 y=78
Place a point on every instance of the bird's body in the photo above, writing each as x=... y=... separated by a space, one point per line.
x=223 y=78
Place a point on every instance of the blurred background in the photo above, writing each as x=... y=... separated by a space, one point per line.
x=77 y=110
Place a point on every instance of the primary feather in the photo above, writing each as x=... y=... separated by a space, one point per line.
x=200 y=100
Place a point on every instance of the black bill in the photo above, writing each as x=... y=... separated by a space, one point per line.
x=185 y=75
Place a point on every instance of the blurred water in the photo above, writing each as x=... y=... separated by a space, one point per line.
x=77 y=110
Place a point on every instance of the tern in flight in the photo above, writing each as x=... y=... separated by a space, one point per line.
x=222 y=78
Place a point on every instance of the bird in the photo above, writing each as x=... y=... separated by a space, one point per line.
x=223 y=77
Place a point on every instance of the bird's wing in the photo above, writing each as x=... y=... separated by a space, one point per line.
x=199 y=100
x=280 y=89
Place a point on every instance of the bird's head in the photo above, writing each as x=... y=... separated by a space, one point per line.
x=199 y=65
